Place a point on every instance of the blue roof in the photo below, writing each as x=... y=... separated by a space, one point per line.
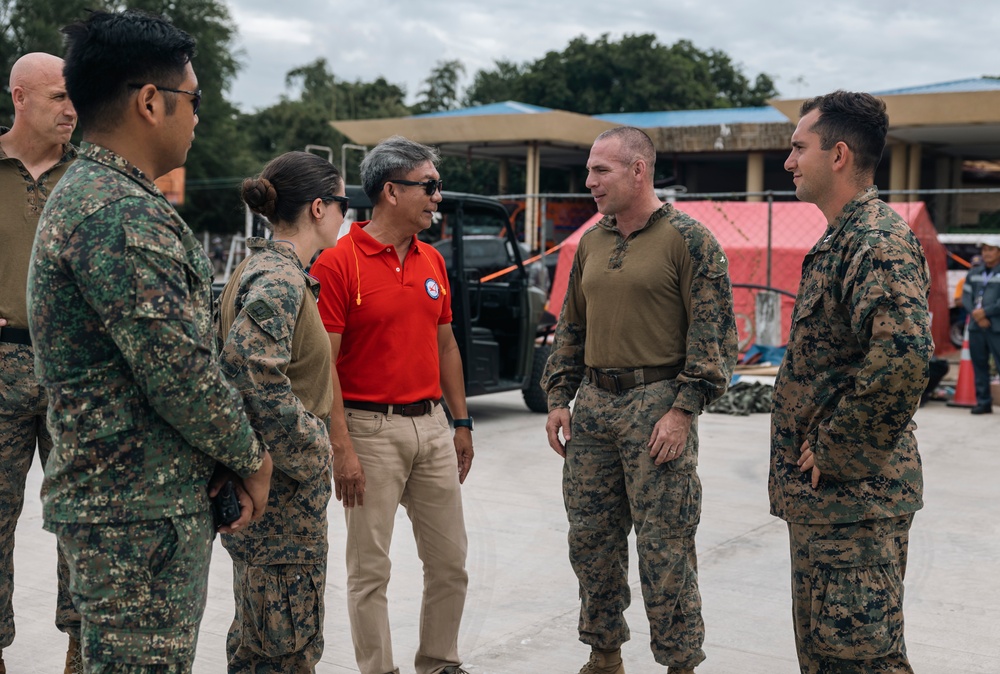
x=504 y=108
x=648 y=120
x=955 y=86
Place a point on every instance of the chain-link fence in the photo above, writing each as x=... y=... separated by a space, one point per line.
x=766 y=236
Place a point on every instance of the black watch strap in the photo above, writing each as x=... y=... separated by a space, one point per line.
x=460 y=423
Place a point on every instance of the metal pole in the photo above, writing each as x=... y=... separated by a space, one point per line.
x=770 y=222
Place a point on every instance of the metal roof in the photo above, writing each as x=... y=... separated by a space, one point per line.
x=952 y=87
x=678 y=118
x=504 y=108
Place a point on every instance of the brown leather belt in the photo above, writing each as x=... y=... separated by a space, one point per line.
x=619 y=382
x=15 y=336
x=417 y=409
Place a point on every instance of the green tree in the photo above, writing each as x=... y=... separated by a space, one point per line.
x=634 y=74
x=316 y=96
x=219 y=156
x=499 y=84
x=440 y=90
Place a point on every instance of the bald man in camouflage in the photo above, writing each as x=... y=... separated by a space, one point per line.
x=646 y=339
x=34 y=154
x=845 y=471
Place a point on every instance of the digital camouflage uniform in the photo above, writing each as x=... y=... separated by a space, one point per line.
x=279 y=562
x=610 y=483
x=22 y=399
x=856 y=364
x=119 y=296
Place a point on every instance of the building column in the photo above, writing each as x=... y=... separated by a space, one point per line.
x=942 y=181
x=755 y=175
x=913 y=174
x=897 y=170
x=503 y=177
x=531 y=187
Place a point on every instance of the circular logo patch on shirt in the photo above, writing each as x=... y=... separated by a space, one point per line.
x=432 y=288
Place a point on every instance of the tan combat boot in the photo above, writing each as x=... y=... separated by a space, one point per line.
x=74 y=659
x=604 y=662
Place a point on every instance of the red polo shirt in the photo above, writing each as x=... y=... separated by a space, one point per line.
x=388 y=315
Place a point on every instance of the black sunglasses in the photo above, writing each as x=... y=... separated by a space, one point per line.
x=196 y=101
x=430 y=186
x=343 y=201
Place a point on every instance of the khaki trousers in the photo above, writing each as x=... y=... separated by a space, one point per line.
x=408 y=461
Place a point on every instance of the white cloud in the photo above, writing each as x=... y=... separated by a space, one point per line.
x=808 y=48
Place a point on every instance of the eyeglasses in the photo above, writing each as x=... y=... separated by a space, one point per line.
x=430 y=186
x=343 y=201
x=196 y=101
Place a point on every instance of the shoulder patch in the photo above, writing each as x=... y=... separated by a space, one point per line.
x=259 y=311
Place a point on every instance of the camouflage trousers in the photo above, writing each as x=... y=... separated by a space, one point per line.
x=847 y=596
x=141 y=589
x=610 y=485
x=278 y=626
x=22 y=427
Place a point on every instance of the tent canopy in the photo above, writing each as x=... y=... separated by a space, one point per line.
x=741 y=229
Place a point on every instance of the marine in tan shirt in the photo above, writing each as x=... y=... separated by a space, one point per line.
x=34 y=154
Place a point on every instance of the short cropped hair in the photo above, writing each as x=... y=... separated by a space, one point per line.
x=110 y=51
x=857 y=119
x=635 y=144
x=390 y=160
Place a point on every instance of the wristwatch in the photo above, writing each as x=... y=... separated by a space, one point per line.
x=459 y=423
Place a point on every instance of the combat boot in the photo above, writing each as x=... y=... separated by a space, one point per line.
x=3 y=667
x=604 y=662
x=74 y=658
x=676 y=670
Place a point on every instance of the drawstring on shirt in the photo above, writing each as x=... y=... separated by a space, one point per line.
x=357 y=270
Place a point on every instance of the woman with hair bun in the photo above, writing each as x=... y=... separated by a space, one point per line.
x=277 y=353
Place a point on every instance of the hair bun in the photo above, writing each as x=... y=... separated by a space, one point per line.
x=259 y=194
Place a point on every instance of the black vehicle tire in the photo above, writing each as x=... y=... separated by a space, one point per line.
x=534 y=397
x=958 y=334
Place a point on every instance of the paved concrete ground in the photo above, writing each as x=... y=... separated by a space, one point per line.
x=522 y=606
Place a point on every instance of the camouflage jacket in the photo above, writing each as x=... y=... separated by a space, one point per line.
x=710 y=347
x=119 y=297
x=287 y=389
x=856 y=364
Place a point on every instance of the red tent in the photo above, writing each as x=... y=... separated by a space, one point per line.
x=741 y=228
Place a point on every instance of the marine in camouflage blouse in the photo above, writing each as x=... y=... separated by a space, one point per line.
x=277 y=353
x=856 y=364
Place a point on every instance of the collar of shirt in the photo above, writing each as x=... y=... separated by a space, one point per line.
x=111 y=159
x=610 y=222
x=859 y=199
x=69 y=150
x=259 y=243
x=369 y=244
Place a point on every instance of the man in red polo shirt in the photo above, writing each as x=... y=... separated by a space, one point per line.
x=385 y=304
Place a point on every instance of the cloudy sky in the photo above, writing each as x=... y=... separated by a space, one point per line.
x=808 y=47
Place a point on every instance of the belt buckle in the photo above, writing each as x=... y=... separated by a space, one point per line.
x=616 y=386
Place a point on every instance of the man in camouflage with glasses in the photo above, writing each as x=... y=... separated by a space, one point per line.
x=646 y=339
x=119 y=297
x=845 y=472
